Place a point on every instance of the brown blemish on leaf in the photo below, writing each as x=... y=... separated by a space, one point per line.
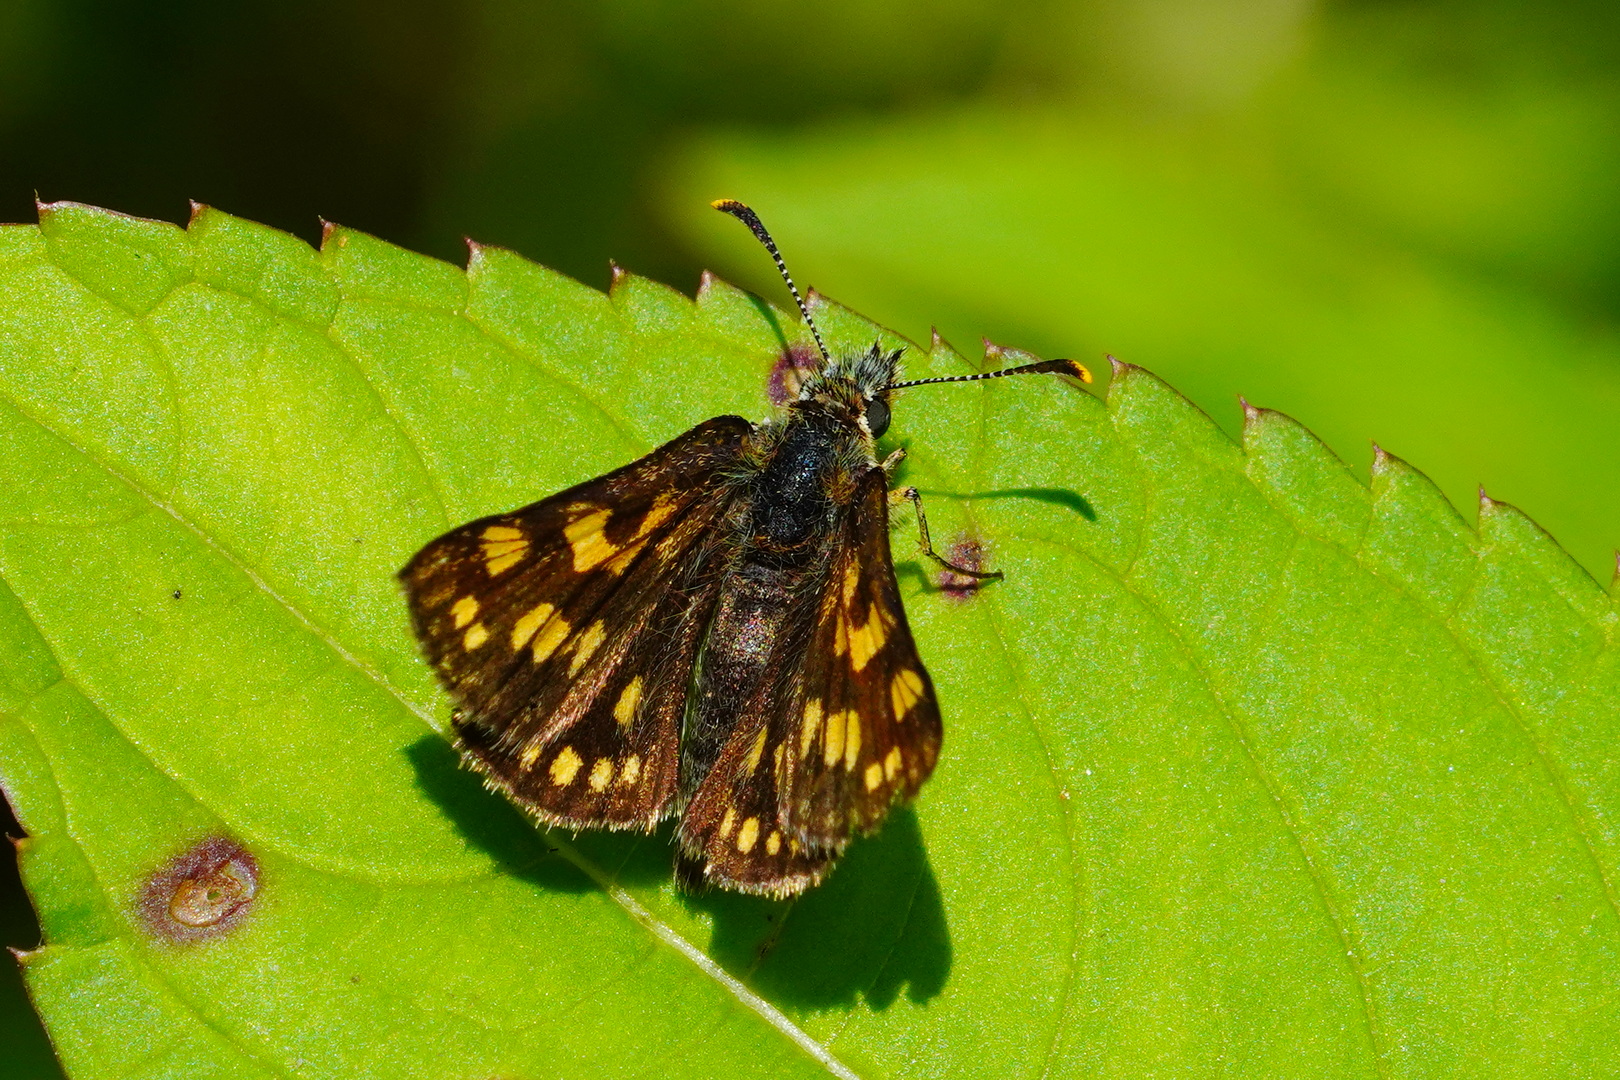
x=795 y=362
x=969 y=554
x=201 y=893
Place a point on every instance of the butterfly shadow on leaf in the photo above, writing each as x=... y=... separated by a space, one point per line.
x=1063 y=497
x=487 y=821
x=874 y=929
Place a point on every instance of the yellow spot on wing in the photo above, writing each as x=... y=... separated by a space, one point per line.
x=631 y=771
x=852 y=739
x=657 y=514
x=589 y=544
x=747 y=835
x=464 y=611
x=867 y=639
x=756 y=751
x=905 y=691
x=586 y=646
x=531 y=621
x=564 y=766
x=874 y=776
x=476 y=635
x=601 y=774
x=553 y=634
x=504 y=547
x=624 y=710
x=727 y=822
x=812 y=724
x=621 y=562
x=835 y=737
x=891 y=763
x=773 y=843
x=852 y=579
x=530 y=754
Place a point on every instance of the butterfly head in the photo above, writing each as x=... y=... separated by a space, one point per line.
x=853 y=391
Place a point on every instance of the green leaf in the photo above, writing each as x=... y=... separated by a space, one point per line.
x=1248 y=768
x=1164 y=244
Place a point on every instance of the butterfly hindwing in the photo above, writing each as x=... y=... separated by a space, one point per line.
x=864 y=723
x=567 y=630
x=848 y=726
x=731 y=833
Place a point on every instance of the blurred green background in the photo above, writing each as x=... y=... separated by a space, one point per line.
x=1396 y=220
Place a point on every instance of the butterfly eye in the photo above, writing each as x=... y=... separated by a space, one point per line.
x=877 y=416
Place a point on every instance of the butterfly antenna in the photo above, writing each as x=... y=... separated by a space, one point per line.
x=1045 y=367
x=747 y=216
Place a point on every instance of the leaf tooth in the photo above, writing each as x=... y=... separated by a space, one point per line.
x=1505 y=528
x=331 y=230
x=1251 y=416
x=198 y=209
x=617 y=275
x=1304 y=478
x=1006 y=355
x=706 y=281
x=941 y=349
x=1380 y=460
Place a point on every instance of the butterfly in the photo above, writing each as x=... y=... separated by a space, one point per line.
x=713 y=632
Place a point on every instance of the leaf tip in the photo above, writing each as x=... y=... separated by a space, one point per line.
x=1117 y=368
x=198 y=209
x=617 y=275
x=706 y=282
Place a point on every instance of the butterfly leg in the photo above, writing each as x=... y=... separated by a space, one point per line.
x=926 y=544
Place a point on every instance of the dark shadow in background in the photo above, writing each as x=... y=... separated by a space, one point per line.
x=26 y=1050
x=541 y=126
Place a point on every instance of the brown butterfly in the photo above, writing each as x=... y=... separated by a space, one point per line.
x=713 y=631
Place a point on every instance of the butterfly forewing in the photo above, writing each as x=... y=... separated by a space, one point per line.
x=567 y=630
